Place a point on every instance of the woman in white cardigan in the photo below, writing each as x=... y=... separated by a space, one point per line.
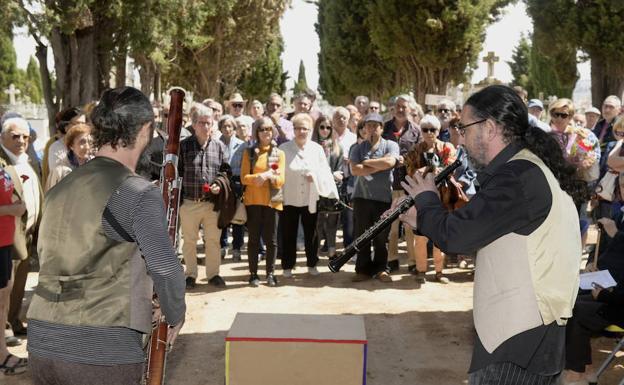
x=307 y=178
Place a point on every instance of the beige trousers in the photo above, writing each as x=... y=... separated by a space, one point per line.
x=192 y=215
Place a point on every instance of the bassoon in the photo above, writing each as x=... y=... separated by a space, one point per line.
x=170 y=183
x=336 y=263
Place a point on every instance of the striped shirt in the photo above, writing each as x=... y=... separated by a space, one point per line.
x=199 y=165
x=139 y=209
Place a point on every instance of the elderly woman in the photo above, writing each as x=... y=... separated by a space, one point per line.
x=262 y=174
x=308 y=177
x=580 y=146
x=78 y=142
x=431 y=153
x=329 y=209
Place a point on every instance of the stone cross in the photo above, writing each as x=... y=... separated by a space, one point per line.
x=490 y=59
x=12 y=92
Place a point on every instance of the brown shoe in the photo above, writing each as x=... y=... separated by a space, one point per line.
x=383 y=276
x=359 y=277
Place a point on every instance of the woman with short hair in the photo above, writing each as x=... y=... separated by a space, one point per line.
x=308 y=177
x=79 y=151
x=262 y=175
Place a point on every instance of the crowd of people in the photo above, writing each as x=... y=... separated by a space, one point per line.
x=297 y=177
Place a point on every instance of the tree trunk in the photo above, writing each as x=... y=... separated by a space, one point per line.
x=46 y=82
x=607 y=79
x=120 y=65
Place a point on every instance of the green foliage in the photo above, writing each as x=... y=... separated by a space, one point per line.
x=266 y=75
x=553 y=61
x=301 y=84
x=412 y=44
x=519 y=63
x=348 y=63
x=8 y=63
x=31 y=85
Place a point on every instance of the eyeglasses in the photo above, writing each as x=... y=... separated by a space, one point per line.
x=561 y=115
x=618 y=133
x=429 y=130
x=17 y=136
x=204 y=123
x=444 y=110
x=265 y=129
x=301 y=128
x=462 y=128
x=324 y=127
x=237 y=105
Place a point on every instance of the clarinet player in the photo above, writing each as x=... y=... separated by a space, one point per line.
x=103 y=245
x=523 y=227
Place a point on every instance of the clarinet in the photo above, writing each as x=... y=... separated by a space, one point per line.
x=170 y=183
x=363 y=240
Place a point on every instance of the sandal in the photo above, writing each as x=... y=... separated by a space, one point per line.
x=18 y=367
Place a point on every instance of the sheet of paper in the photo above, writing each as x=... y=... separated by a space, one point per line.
x=602 y=278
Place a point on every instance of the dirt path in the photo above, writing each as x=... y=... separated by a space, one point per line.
x=416 y=336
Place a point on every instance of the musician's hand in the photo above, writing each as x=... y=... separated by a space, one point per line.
x=609 y=226
x=215 y=189
x=416 y=184
x=173 y=332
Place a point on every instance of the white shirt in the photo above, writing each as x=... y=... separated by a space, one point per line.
x=301 y=162
x=347 y=140
x=56 y=154
x=30 y=185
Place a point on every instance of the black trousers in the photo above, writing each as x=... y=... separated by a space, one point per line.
x=290 y=224
x=261 y=223
x=585 y=323
x=507 y=373
x=365 y=213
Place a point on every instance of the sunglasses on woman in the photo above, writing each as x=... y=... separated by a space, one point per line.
x=561 y=115
x=324 y=127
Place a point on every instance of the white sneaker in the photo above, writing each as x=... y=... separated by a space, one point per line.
x=287 y=273
x=313 y=271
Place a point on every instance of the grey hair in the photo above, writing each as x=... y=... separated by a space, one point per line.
x=227 y=118
x=18 y=122
x=430 y=121
x=449 y=103
x=361 y=97
x=613 y=98
x=342 y=111
x=200 y=110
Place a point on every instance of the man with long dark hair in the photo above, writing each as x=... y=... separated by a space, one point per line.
x=103 y=246
x=523 y=227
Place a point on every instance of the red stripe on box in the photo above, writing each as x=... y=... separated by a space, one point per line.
x=254 y=339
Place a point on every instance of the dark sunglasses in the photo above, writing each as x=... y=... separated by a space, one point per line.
x=237 y=105
x=618 y=133
x=561 y=115
x=324 y=127
x=17 y=136
x=444 y=110
x=429 y=130
x=265 y=129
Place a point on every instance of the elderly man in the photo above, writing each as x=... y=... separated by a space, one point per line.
x=402 y=131
x=592 y=115
x=445 y=111
x=372 y=162
x=361 y=103
x=274 y=110
x=25 y=174
x=201 y=157
x=536 y=108
x=374 y=107
x=302 y=104
x=236 y=107
x=522 y=220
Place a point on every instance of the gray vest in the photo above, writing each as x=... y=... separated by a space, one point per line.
x=87 y=278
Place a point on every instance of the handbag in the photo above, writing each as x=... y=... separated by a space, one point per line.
x=606 y=187
x=240 y=216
